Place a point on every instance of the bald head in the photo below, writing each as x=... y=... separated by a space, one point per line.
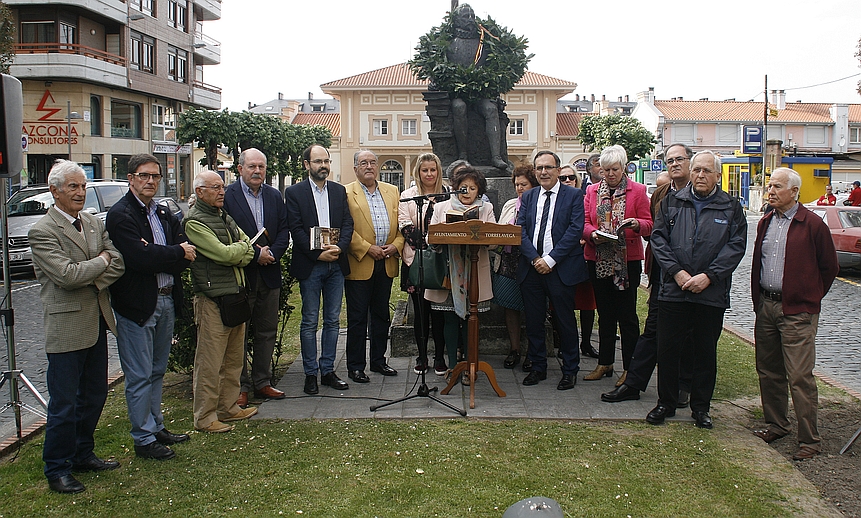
x=209 y=188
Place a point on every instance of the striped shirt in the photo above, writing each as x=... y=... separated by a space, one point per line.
x=379 y=216
x=164 y=279
x=774 y=250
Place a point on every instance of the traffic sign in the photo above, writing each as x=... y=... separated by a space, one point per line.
x=752 y=140
x=24 y=143
x=657 y=165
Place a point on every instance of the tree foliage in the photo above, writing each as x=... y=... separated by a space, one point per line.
x=7 y=38
x=599 y=132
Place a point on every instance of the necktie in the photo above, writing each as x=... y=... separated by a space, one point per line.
x=545 y=214
x=77 y=224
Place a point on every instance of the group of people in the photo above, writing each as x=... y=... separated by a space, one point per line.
x=581 y=249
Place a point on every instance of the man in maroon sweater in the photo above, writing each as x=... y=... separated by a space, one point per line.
x=786 y=298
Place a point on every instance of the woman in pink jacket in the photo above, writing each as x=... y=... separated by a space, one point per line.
x=617 y=217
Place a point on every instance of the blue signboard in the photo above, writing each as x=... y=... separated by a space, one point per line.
x=752 y=140
x=657 y=165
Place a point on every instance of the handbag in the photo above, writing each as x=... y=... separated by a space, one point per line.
x=235 y=309
x=436 y=270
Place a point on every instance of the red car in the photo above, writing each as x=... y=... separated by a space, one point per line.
x=845 y=225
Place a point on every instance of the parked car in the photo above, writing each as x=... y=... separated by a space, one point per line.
x=172 y=206
x=845 y=225
x=29 y=204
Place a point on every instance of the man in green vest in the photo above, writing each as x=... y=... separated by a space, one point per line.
x=218 y=278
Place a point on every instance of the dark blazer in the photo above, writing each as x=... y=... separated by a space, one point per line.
x=275 y=221
x=135 y=294
x=566 y=230
x=302 y=215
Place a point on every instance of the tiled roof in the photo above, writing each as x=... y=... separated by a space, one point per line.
x=400 y=76
x=732 y=111
x=855 y=113
x=330 y=120
x=568 y=124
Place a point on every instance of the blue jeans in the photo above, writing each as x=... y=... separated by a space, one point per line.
x=327 y=280
x=78 y=388
x=144 y=351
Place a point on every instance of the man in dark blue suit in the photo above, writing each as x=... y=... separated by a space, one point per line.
x=551 y=264
x=254 y=205
x=321 y=271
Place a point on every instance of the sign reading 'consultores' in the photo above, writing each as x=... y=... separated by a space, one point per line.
x=49 y=129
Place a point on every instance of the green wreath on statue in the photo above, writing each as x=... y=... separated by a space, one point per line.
x=504 y=65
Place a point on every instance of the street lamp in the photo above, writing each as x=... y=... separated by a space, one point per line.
x=70 y=115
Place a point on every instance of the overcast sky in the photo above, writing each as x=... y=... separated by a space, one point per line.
x=609 y=47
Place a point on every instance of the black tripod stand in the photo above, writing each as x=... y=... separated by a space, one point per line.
x=423 y=389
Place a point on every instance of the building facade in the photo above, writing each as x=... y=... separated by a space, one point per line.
x=106 y=79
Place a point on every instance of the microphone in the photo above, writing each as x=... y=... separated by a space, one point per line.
x=434 y=196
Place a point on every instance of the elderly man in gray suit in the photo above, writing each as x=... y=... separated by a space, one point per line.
x=75 y=262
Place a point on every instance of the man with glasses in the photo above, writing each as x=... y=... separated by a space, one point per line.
x=551 y=264
x=374 y=252
x=146 y=300
x=320 y=269
x=218 y=276
x=698 y=240
x=255 y=205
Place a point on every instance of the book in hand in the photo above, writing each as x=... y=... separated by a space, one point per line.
x=607 y=235
x=322 y=236
x=261 y=238
x=454 y=215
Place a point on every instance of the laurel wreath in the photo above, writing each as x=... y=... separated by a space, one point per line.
x=505 y=63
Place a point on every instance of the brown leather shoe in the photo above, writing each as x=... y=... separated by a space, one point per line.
x=804 y=453
x=767 y=435
x=269 y=392
x=243 y=399
x=599 y=372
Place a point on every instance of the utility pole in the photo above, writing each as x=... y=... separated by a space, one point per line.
x=764 y=129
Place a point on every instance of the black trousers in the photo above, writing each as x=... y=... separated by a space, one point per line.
x=616 y=307
x=363 y=297
x=536 y=289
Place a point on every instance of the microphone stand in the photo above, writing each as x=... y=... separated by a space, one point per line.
x=423 y=389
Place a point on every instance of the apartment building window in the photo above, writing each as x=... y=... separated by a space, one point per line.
x=177 y=64
x=774 y=132
x=144 y=6
x=141 y=51
x=408 y=127
x=515 y=127
x=95 y=116
x=67 y=35
x=318 y=107
x=816 y=135
x=727 y=133
x=683 y=133
x=381 y=127
x=855 y=135
x=177 y=14
x=37 y=32
x=163 y=123
x=125 y=120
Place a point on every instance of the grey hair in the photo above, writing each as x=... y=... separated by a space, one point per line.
x=61 y=170
x=613 y=155
x=449 y=171
x=359 y=152
x=717 y=162
x=200 y=179
x=688 y=151
x=791 y=175
x=241 y=160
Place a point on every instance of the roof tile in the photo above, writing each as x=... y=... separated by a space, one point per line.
x=400 y=75
x=330 y=120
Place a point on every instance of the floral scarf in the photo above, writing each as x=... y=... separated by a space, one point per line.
x=612 y=258
x=458 y=267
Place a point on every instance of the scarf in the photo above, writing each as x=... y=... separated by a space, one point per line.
x=612 y=258
x=458 y=267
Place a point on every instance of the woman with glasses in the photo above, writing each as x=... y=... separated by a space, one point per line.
x=428 y=180
x=617 y=217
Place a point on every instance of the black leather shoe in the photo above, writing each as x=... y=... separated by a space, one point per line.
x=359 y=376
x=703 y=420
x=95 y=464
x=567 y=382
x=154 y=450
x=66 y=484
x=332 y=380
x=163 y=436
x=588 y=350
x=511 y=360
x=527 y=365
x=534 y=377
x=684 y=399
x=621 y=393
x=659 y=413
x=384 y=369
x=311 y=385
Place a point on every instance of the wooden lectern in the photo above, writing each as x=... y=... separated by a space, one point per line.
x=474 y=233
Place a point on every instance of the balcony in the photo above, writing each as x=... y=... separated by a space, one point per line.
x=205 y=95
x=211 y=9
x=68 y=61
x=115 y=10
x=207 y=49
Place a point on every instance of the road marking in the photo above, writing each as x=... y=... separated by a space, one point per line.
x=34 y=285
x=847 y=281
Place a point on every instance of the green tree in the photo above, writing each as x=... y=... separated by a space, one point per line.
x=598 y=132
x=210 y=129
x=7 y=38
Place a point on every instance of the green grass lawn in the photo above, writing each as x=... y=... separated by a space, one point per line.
x=440 y=467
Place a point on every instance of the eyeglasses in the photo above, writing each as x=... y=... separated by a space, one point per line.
x=146 y=176
x=678 y=160
x=321 y=161
x=701 y=170
x=542 y=168
x=213 y=187
x=366 y=163
x=568 y=177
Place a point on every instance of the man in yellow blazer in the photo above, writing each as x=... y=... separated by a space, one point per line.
x=374 y=250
